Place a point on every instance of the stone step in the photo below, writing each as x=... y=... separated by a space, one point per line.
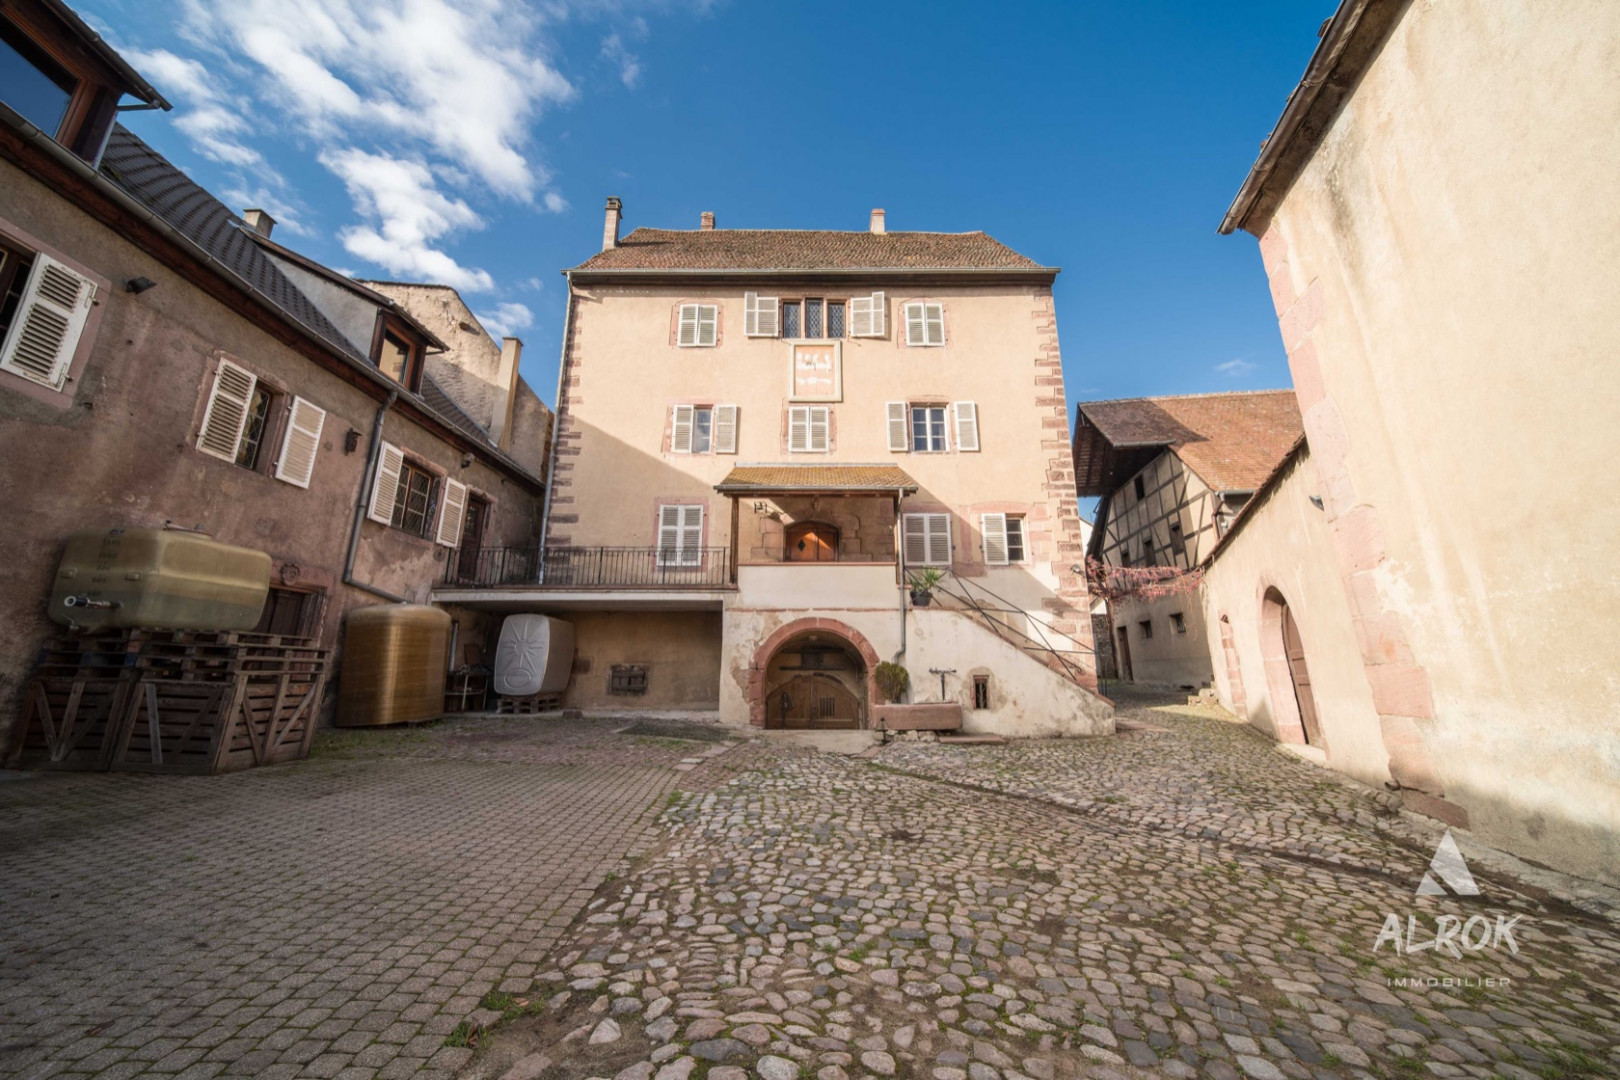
x=973 y=740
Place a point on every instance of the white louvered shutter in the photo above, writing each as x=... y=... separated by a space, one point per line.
x=691 y=535
x=933 y=324
x=928 y=539
x=687 y=335
x=708 y=324
x=798 y=429
x=759 y=315
x=49 y=322
x=680 y=431
x=669 y=534
x=452 y=512
x=819 y=424
x=725 y=429
x=227 y=411
x=385 y=489
x=916 y=540
x=680 y=532
x=916 y=327
x=301 y=443
x=967 y=425
x=860 y=316
x=995 y=539
x=880 y=315
x=897 y=426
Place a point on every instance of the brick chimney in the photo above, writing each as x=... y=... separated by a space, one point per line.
x=259 y=221
x=706 y=220
x=506 y=384
x=877 y=221
x=610 y=227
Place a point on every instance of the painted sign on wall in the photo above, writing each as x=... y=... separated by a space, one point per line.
x=815 y=372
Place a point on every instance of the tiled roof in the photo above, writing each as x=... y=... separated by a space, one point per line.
x=1232 y=441
x=806 y=249
x=767 y=479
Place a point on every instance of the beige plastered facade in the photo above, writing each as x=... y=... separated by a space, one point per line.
x=1446 y=271
x=615 y=467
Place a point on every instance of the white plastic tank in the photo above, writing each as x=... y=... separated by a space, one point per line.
x=535 y=656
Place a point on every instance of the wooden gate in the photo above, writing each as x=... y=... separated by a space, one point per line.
x=1300 y=675
x=813 y=701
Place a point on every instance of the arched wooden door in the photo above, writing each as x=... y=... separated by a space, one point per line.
x=812 y=541
x=1300 y=675
x=812 y=701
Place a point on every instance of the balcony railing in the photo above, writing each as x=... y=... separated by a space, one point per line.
x=591 y=568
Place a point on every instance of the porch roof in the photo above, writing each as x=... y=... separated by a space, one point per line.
x=800 y=479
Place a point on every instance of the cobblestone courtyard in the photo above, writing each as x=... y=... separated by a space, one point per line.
x=543 y=901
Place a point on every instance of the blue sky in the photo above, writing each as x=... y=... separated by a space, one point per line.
x=473 y=142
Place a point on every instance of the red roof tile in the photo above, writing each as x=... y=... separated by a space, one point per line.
x=1232 y=441
x=809 y=478
x=806 y=249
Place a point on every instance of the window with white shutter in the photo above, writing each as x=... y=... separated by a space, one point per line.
x=452 y=513
x=301 y=443
x=385 y=488
x=699 y=326
x=994 y=527
x=897 y=426
x=967 y=425
x=680 y=535
x=925 y=323
x=928 y=539
x=680 y=431
x=227 y=411
x=759 y=315
x=725 y=429
x=50 y=319
x=808 y=429
x=868 y=316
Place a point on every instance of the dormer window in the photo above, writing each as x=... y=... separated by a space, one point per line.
x=32 y=83
x=398 y=352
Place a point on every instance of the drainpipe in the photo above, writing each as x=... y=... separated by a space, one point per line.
x=900 y=560
x=556 y=423
x=366 y=484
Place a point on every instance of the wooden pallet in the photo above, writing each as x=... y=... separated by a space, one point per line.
x=70 y=723
x=528 y=706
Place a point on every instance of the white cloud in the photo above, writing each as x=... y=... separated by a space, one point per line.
x=628 y=63
x=1235 y=368
x=406 y=212
x=533 y=284
x=507 y=319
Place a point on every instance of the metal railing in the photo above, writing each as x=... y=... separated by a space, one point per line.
x=992 y=611
x=591 y=568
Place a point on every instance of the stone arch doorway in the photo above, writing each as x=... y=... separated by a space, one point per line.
x=1288 y=677
x=831 y=690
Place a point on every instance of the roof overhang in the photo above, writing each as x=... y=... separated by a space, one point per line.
x=1041 y=274
x=1101 y=465
x=797 y=479
x=1349 y=42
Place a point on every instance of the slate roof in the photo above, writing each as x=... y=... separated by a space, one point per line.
x=1232 y=441
x=806 y=249
x=173 y=196
x=788 y=478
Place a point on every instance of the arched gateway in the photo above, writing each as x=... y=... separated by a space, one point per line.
x=812 y=674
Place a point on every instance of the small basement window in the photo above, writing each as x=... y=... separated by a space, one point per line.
x=1146 y=626
x=981 y=691
x=627 y=679
x=1177 y=622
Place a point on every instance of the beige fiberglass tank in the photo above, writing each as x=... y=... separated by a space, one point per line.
x=535 y=656
x=394 y=662
x=158 y=579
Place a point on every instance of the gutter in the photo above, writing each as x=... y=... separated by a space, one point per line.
x=367 y=480
x=130 y=205
x=556 y=423
x=1042 y=273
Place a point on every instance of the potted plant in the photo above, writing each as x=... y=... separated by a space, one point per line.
x=922 y=585
x=892 y=681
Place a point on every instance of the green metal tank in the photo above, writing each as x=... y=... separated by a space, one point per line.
x=394 y=661
x=159 y=579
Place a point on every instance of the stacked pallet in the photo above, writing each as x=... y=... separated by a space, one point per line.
x=171 y=701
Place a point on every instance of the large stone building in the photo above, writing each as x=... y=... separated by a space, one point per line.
x=1170 y=474
x=164 y=363
x=1438 y=210
x=765 y=435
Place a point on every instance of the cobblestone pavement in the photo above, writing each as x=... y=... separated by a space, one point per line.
x=341 y=916
x=1181 y=900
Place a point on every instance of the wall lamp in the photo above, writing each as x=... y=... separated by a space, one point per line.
x=139 y=285
x=1316 y=501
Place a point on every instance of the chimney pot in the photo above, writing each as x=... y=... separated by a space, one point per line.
x=706 y=220
x=877 y=221
x=259 y=221
x=610 y=227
